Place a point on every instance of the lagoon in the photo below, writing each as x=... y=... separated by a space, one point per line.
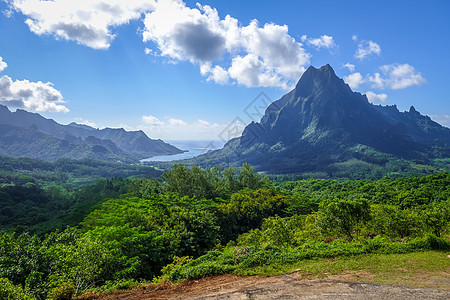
x=192 y=149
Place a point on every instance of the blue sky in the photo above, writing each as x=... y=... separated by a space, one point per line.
x=182 y=70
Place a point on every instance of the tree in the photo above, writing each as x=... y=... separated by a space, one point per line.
x=437 y=217
x=342 y=217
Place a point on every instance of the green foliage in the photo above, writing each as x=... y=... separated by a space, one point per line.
x=64 y=291
x=342 y=217
x=111 y=286
x=277 y=231
x=394 y=222
x=80 y=262
x=9 y=291
x=176 y=263
x=437 y=217
x=147 y=233
x=239 y=260
x=210 y=183
x=403 y=192
x=136 y=230
x=67 y=172
x=41 y=210
x=247 y=209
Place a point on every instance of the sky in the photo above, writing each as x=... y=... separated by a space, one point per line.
x=187 y=70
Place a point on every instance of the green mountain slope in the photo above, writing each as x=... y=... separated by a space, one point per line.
x=38 y=137
x=322 y=126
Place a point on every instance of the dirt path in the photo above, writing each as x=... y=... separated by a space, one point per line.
x=289 y=286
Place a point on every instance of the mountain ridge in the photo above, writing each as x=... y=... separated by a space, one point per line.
x=321 y=122
x=86 y=141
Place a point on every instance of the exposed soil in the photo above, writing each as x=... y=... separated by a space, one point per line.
x=290 y=286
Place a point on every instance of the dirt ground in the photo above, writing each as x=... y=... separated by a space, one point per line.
x=289 y=286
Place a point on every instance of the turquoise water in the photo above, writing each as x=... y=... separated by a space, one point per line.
x=193 y=149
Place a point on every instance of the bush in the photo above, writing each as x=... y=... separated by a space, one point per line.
x=394 y=222
x=9 y=291
x=64 y=291
x=342 y=217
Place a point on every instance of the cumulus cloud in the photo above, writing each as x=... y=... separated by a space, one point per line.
x=151 y=120
x=267 y=52
x=176 y=122
x=396 y=76
x=373 y=97
x=88 y=22
x=366 y=48
x=350 y=67
x=35 y=96
x=216 y=74
x=3 y=64
x=183 y=33
x=324 y=41
x=260 y=55
x=354 y=80
x=251 y=71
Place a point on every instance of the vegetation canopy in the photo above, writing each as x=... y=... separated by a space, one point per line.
x=195 y=222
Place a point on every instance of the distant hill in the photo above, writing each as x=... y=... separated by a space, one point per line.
x=25 y=134
x=323 y=128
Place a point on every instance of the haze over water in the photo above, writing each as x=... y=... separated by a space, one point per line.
x=192 y=148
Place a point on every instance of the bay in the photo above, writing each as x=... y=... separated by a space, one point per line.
x=191 y=148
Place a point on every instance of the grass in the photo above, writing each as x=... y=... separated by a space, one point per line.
x=422 y=269
x=429 y=269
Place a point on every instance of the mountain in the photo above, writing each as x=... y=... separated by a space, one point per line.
x=322 y=126
x=25 y=134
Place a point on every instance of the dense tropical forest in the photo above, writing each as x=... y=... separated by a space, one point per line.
x=59 y=239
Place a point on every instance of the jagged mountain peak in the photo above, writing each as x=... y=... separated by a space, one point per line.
x=322 y=122
x=316 y=80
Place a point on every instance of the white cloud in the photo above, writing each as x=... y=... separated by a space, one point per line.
x=397 y=76
x=183 y=33
x=86 y=122
x=180 y=33
x=372 y=97
x=216 y=74
x=354 y=80
x=203 y=122
x=177 y=129
x=88 y=22
x=251 y=71
x=366 y=48
x=444 y=120
x=268 y=54
x=3 y=64
x=350 y=67
x=35 y=96
x=151 y=120
x=148 y=51
x=324 y=41
x=176 y=122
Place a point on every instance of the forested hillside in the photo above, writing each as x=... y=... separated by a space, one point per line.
x=196 y=222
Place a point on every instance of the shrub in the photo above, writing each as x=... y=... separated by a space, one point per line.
x=64 y=291
x=342 y=217
x=9 y=291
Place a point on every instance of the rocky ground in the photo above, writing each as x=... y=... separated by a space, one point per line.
x=351 y=285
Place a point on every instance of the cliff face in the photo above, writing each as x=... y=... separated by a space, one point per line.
x=322 y=121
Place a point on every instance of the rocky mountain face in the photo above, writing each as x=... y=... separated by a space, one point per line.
x=25 y=134
x=322 y=123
